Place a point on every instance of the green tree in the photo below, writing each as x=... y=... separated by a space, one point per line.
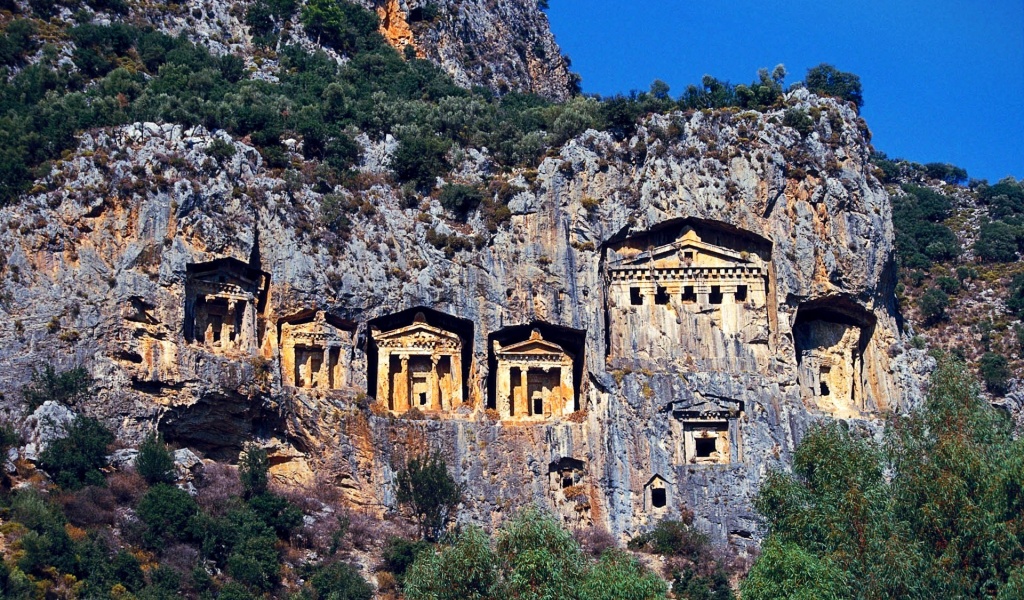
x=1015 y=300
x=465 y=569
x=155 y=462
x=933 y=304
x=995 y=373
x=460 y=199
x=254 y=470
x=826 y=80
x=539 y=559
x=75 y=460
x=167 y=511
x=858 y=518
x=66 y=387
x=430 y=493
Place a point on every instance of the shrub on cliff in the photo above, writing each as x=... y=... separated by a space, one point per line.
x=1015 y=300
x=429 y=492
x=997 y=242
x=66 y=387
x=995 y=373
x=826 y=80
x=155 y=463
x=933 y=304
x=75 y=460
x=167 y=512
x=873 y=519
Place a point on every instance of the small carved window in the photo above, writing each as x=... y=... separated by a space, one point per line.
x=741 y=293
x=538 y=406
x=634 y=296
x=688 y=256
x=689 y=296
x=705 y=447
x=661 y=296
x=824 y=389
x=566 y=481
x=716 y=295
x=658 y=497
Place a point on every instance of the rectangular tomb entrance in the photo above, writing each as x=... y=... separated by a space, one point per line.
x=711 y=431
x=419 y=366
x=222 y=301
x=534 y=379
x=314 y=353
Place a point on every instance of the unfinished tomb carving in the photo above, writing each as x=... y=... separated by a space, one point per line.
x=534 y=379
x=656 y=494
x=315 y=352
x=691 y=291
x=419 y=366
x=831 y=336
x=710 y=430
x=222 y=301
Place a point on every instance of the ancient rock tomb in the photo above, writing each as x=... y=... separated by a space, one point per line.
x=315 y=352
x=419 y=366
x=534 y=379
x=222 y=300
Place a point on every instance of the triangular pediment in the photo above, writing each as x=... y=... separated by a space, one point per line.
x=416 y=331
x=688 y=250
x=707 y=407
x=533 y=347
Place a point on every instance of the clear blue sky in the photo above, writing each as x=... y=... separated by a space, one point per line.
x=943 y=80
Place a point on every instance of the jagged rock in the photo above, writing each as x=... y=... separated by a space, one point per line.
x=45 y=424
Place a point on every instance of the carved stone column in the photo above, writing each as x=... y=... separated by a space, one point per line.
x=384 y=378
x=434 y=400
x=522 y=400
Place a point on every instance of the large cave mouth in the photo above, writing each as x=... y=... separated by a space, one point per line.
x=217 y=426
x=463 y=328
x=830 y=337
x=839 y=310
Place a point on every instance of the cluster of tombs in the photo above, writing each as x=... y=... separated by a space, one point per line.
x=686 y=288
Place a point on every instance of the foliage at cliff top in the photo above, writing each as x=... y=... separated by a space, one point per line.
x=121 y=73
x=937 y=508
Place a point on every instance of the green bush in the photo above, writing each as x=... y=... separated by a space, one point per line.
x=933 y=304
x=995 y=373
x=155 y=462
x=949 y=285
x=1015 y=299
x=619 y=576
x=167 y=512
x=460 y=199
x=75 y=460
x=340 y=581
x=798 y=119
x=428 y=491
x=466 y=569
x=997 y=242
x=66 y=387
x=673 y=538
x=399 y=554
x=826 y=80
x=420 y=159
x=920 y=236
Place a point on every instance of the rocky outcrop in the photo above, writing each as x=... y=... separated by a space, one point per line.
x=101 y=263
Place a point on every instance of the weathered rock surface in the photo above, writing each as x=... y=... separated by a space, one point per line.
x=98 y=269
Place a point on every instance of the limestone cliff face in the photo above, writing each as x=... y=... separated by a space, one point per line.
x=505 y=45
x=716 y=282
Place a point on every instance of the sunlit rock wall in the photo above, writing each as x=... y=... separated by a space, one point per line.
x=686 y=402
